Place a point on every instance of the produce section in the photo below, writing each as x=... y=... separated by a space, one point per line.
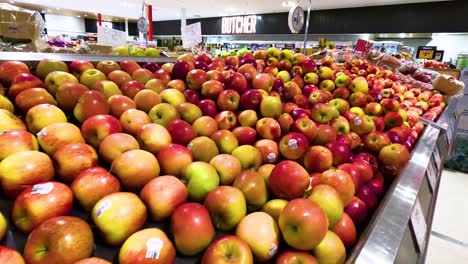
x=273 y=120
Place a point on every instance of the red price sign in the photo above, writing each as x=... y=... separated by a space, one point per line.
x=363 y=47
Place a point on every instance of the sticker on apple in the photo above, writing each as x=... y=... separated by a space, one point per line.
x=273 y=250
x=42 y=133
x=271 y=157
x=43 y=188
x=153 y=248
x=106 y=204
x=357 y=121
x=292 y=144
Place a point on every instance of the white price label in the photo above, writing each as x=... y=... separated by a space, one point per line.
x=418 y=222
x=111 y=37
x=292 y=144
x=106 y=204
x=431 y=175
x=153 y=248
x=43 y=188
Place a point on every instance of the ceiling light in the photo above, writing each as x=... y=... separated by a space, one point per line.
x=57 y=8
x=12 y=2
x=78 y=16
x=85 y=15
x=48 y=10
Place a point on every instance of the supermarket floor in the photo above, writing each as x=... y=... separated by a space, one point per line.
x=448 y=242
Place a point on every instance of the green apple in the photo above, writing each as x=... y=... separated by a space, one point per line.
x=173 y=97
x=359 y=85
x=107 y=88
x=225 y=140
x=89 y=77
x=329 y=200
x=284 y=75
x=56 y=78
x=271 y=106
x=118 y=215
x=189 y=112
x=47 y=66
x=274 y=208
x=227 y=207
x=203 y=148
x=163 y=114
x=330 y=250
x=200 y=178
x=249 y=157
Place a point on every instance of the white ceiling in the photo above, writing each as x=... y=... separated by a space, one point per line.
x=171 y=9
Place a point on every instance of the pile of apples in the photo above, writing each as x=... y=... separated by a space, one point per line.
x=286 y=159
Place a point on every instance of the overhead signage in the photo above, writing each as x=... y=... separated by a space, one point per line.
x=239 y=25
x=426 y=52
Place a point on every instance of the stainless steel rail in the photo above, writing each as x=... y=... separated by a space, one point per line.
x=381 y=240
x=32 y=56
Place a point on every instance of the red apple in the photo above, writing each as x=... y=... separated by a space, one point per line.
x=303 y=224
x=129 y=66
x=132 y=120
x=293 y=145
x=89 y=104
x=341 y=181
x=394 y=158
x=107 y=66
x=115 y=144
x=325 y=134
x=318 y=159
x=135 y=168
x=22 y=82
x=192 y=228
x=341 y=152
x=68 y=94
x=147 y=246
x=162 y=196
x=93 y=184
x=228 y=249
x=208 y=107
x=291 y=257
x=288 y=180
x=71 y=159
x=11 y=256
x=10 y=69
x=13 y=141
x=25 y=168
x=153 y=137
x=173 y=159
x=32 y=97
x=39 y=203
x=63 y=239
x=97 y=127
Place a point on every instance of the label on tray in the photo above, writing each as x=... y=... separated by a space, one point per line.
x=418 y=223
x=431 y=175
x=437 y=158
x=43 y=188
x=153 y=248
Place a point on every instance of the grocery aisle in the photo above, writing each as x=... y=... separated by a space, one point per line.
x=448 y=242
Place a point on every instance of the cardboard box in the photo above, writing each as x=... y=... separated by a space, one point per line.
x=20 y=23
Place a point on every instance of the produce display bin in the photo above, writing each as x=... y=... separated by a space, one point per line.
x=391 y=236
